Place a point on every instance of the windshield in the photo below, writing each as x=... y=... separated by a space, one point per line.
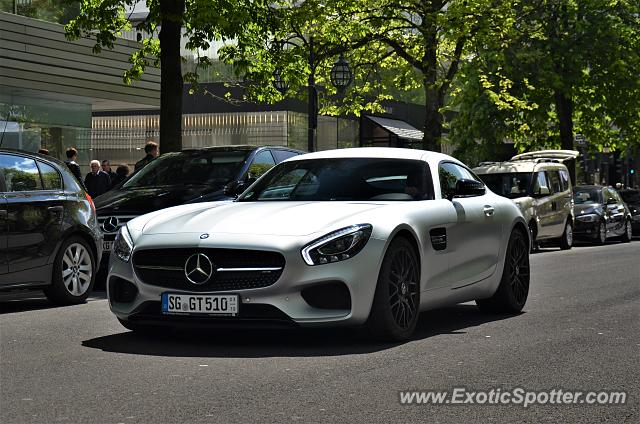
x=511 y=185
x=204 y=167
x=630 y=196
x=344 y=179
x=586 y=196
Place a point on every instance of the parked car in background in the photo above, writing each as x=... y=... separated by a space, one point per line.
x=192 y=175
x=632 y=198
x=49 y=234
x=539 y=183
x=342 y=237
x=600 y=214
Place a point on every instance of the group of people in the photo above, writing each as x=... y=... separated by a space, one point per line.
x=102 y=178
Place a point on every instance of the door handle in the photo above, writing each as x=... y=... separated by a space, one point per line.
x=488 y=210
x=55 y=209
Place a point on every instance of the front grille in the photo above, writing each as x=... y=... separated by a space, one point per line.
x=234 y=269
x=109 y=233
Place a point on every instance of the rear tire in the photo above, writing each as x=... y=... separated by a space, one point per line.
x=395 y=309
x=628 y=232
x=512 y=293
x=566 y=241
x=74 y=273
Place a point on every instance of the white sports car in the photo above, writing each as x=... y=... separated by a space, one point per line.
x=366 y=236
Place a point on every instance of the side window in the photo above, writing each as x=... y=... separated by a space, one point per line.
x=608 y=195
x=282 y=155
x=564 y=178
x=20 y=173
x=50 y=177
x=540 y=183
x=449 y=174
x=261 y=164
x=554 y=182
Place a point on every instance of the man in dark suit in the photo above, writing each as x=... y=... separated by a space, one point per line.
x=106 y=167
x=97 y=181
x=152 y=151
x=72 y=155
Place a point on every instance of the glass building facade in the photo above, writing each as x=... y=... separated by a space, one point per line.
x=121 y=139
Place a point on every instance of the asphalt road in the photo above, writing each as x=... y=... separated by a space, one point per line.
x=580 y=330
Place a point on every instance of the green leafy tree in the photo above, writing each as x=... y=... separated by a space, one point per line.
x=394 y=46
x=168 y=21
x=567 y=67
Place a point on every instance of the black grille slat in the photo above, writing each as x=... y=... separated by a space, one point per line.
x=221 y=258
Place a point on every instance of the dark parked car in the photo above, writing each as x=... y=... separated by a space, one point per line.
x=600 y=213
x=632 y=198
x=192 y=175
x=50 y=237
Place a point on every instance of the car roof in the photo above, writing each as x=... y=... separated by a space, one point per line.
x=516 y=166
x=34 y=155
x=375 y=152
x=236 y=148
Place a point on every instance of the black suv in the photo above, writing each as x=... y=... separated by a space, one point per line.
x=49 y=236
x=192 y=175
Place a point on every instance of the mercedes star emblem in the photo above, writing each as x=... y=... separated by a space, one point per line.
x=198 y=269
x=110 y=224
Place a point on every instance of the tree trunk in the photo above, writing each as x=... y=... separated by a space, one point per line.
x=171 y=84
x=432 y=119
x=564 y=108
x=432 y=116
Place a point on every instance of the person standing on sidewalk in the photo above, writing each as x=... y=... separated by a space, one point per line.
x=152 y=151
x=72 y=155
x=106 y=167
x=97 y=181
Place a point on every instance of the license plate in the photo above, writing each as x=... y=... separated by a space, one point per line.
x=200 y=304
x=107 y=246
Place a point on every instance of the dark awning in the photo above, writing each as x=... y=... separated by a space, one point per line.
x=400 y=128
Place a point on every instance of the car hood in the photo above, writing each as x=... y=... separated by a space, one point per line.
x=585 y=209
x=260 y=218
x=139 y=201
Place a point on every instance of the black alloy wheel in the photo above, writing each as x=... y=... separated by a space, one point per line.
x=395 y=310
x=512 y=293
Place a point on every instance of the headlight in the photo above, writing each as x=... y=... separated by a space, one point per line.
x=590 y=217
x=338 y=245
x=123 y=245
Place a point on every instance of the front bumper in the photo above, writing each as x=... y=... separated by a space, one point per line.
x=586 y=230
x=281 y=301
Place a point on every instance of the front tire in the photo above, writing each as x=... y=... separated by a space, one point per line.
x=628 y=232
x=513 y=290
x=566 y=241
x=396 y=303
x=601 y=237
x=74 y=272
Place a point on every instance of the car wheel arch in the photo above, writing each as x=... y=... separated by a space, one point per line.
x=79 y=232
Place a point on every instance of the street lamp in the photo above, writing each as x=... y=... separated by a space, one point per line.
x=341 y=77
x=279 y=83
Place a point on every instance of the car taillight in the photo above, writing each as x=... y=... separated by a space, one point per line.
x=93 y=206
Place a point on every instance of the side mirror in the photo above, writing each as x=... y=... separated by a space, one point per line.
x=466 y=187
x=234 y=188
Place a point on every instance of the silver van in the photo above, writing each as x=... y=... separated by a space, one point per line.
x=539 y=183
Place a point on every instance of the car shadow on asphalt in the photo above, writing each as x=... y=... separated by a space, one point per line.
x=32 y=300
x=245 y=343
